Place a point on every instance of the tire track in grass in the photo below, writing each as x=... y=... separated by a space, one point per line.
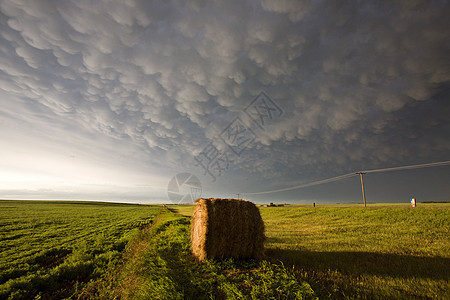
x=158 y=264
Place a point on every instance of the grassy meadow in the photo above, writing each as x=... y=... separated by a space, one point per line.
x=158 y=265
x=87 y=250
x=346 y=251
x=378 y=252
x=52 y=249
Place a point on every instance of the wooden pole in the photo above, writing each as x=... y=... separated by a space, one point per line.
x=238 y=196
x=362 y=186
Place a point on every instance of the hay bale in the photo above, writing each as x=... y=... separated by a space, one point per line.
x=226 y=228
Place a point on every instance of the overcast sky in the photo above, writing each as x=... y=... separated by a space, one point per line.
x=109 y=101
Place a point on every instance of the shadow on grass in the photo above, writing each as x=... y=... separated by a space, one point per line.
x=359 y=263
x=174 y=210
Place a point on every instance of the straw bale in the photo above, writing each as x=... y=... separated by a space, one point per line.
x=226 y=228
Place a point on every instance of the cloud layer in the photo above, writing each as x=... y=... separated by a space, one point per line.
x=147 y=85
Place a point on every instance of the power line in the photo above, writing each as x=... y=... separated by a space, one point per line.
x=427 y=165
x=436 y=164
x=305 y=185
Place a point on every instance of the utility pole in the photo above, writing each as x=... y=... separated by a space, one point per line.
x=362 y=186
x=238 y=196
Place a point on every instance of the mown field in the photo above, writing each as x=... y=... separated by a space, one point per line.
x=383 y=251
x=53 y=249
x=378 y=252
x=56 y=250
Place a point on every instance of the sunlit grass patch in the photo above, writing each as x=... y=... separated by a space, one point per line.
x=376 y=252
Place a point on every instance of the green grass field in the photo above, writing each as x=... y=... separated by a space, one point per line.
x=158 y=265
x=51 y=249
x=383 y=251
x=85 y=250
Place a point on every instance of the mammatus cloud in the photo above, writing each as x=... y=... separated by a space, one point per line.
x=147 y=85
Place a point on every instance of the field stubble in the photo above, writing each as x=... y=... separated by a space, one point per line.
x=383 y=251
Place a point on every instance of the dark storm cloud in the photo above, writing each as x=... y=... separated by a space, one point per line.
x=359 y=82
